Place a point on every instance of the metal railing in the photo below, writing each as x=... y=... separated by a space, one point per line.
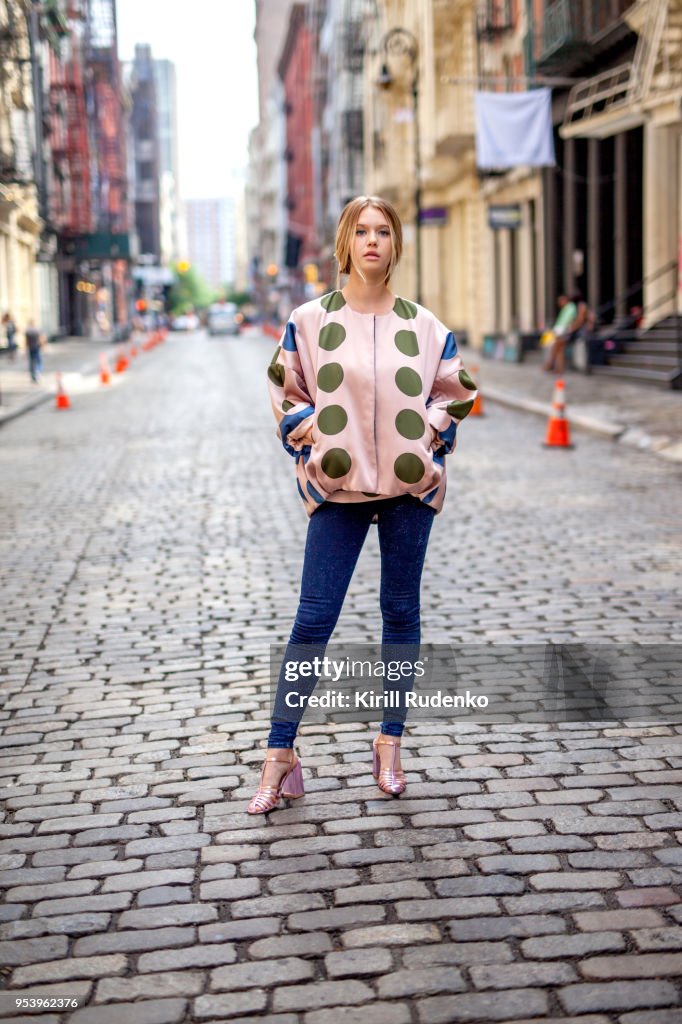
x=667 y=298
x=559 y=27
x=600 y=93
x=626 y=84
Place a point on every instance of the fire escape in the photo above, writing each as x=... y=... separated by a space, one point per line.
x=16 y=126
x=106 y=127
x=615 y=100
x=70 y=146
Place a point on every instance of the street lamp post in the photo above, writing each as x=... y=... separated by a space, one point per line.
x=400 y=42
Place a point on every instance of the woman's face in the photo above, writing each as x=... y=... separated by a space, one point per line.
x=372 y=246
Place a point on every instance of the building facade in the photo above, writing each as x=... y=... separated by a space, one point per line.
x=340 y=92
x=423 y=155
x=490 y=251
x=211 y=239
x=620 y=135
x=302 y=200
x=170 y=229
x=144 y=136
x=64 y=215
x=20 y=219
x=266 y=183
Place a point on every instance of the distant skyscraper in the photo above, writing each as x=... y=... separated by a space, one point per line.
x=167 y=126
x=211 y=239
x=145 y=140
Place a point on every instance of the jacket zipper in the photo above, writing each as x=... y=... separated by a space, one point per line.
x=376 y=453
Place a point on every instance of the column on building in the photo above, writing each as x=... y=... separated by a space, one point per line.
x=661 y=219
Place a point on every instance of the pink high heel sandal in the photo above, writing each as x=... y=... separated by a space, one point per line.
x=389 y=780
x=290 y=786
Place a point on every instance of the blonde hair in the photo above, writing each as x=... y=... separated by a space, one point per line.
x=345 y=233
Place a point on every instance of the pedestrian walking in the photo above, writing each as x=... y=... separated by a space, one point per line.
x=561 y=329
x=34 y=343
x=11 y=335
x=368 y=389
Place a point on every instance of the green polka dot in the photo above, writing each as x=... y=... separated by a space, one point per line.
x=404 y=309
x=276 y=374
x=406 y=342
x=336 y=462
x=330 y=376
x=332 y=419
x=460 y=409
x=409 y=468
x=331 y=336
x=286 y=406
x=409 y=381
x=370 y=494
x=466 y=381
x=333 y=302
x=410 y=424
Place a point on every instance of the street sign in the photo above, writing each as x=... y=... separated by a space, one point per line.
x=100 y=245
x=437 y=215
x=507 y=216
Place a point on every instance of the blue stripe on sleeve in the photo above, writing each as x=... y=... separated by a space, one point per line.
x=289 y=342
x=450 y=347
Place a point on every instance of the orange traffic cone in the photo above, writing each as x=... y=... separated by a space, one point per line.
x=62 y=401
x=104 y=371
x=477 y=407
x=557 y=426
x=133 y=350
x=121 y=362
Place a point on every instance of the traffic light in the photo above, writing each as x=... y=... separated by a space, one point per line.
x=310 y=273
x=183 y=266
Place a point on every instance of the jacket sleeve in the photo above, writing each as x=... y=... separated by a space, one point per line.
x=291 y=401
x=451 y=399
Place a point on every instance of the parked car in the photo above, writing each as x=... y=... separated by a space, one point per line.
x=185 y=322
x=223 y=318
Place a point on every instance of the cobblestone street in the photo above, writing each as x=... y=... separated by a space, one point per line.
x=151 y=552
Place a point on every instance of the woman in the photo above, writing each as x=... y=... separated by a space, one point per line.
x=563 y=325
x=367 y=389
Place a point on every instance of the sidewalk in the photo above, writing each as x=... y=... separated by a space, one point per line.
x=639 y=415
x=73 y=356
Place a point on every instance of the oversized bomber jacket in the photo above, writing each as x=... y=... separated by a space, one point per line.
x=368 y=405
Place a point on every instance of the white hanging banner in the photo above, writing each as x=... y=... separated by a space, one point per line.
x=514 y=128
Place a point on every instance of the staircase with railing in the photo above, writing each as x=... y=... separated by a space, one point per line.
x=652 y=355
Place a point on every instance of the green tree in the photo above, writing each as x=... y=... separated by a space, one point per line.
x=229 y=294
x=189 y=291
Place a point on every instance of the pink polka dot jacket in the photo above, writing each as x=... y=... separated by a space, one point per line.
x=368 y=405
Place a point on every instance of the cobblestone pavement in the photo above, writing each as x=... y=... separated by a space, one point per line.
x=151 y=550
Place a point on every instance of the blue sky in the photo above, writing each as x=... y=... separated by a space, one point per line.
x=211 y=43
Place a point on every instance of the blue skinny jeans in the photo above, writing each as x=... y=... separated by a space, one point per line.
x=336 y=533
